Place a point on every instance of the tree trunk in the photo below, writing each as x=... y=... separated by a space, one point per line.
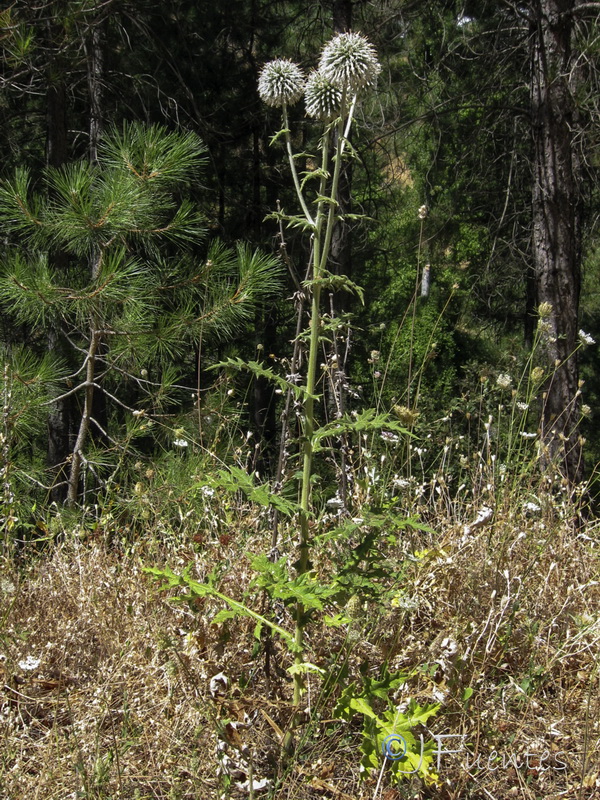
x=557 y=226
x=59 y=419
x=77 y=457
x=95 y=77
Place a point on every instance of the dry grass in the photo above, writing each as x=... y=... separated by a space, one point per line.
x=121 y=703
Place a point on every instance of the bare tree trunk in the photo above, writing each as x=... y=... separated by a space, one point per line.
x=557 y=225
x=94 y=406
x=59 y=419
x=95 y=78
x=86 y=419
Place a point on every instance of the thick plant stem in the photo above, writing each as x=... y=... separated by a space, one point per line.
x=333 y=204
x=311 y=379
x=321 y=248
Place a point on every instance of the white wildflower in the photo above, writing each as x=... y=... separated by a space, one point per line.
x=280 y=81
x=323 y=100
x=526 y=435
x=585 y=338
x=256 y=785
x=504 y=381
x=334 y=503
x=484 y=515
x=218 y=684
x=180 y=443
x=30 y=663
x=350 y=62
x=423 y=212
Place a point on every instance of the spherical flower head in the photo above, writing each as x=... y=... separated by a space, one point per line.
x=322 y=98
x=280 y=81
x=350 y=62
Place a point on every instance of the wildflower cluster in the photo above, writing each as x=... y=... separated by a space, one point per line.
x=348 y=64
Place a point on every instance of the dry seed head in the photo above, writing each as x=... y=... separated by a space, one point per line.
x=544 y=310
x=280 y=81
x=350 y=62
x=322 y=98
x=407 y=416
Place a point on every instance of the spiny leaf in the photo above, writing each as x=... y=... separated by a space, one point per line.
x=331 y=201
x=337 y=283
x=368 y=420
x=234 y=479
x=276 y=136
x=292 y=221
x=236 y=608
x=264 y=372
x=313 y=174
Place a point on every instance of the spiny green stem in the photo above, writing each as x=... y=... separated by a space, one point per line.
x=290 y=153
x=339 y=150
x=320 y=257
x=305 y=499
x=321 y=249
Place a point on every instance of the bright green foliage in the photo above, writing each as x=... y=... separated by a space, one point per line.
x=27 y=385
x=195 y=589
x=383 y=732
x=306 y=588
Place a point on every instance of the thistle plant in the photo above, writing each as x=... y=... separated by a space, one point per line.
x=348 y=67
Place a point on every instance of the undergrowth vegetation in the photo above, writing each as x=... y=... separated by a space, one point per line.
x=111 y=690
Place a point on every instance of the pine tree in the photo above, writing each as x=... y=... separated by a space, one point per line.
x=136 y=295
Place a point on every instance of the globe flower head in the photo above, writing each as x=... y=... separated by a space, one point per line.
x=280 y=81
x=322 y=98
x=350 y=62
